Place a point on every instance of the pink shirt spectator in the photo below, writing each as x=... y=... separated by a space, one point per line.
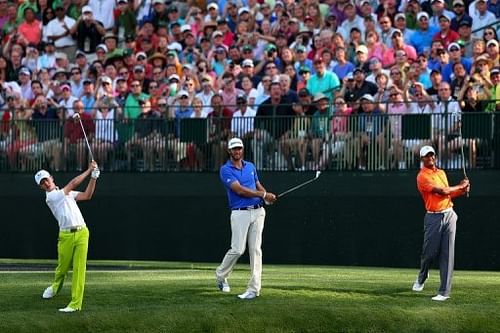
x=390 y=55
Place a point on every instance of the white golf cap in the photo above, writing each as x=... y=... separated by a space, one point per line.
x=235 y=143
x=41 y=175
x=87 y=9
x=426 y=150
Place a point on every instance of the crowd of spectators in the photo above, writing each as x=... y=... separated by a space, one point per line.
x=285 y=76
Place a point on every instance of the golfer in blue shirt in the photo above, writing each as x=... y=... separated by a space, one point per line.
x=246 y=198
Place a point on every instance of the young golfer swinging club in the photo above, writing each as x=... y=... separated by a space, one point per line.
x=73 y=239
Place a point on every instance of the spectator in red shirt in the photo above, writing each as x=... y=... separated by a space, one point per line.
x=446 y=35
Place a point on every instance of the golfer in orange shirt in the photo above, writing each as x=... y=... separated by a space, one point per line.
x=439 y=222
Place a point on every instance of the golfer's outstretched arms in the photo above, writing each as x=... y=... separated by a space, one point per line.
x=75 y=182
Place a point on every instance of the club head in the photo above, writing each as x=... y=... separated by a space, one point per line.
x=317 y=174
x=76 y=116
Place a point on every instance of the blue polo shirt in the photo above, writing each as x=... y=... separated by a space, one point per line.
x=247 y=177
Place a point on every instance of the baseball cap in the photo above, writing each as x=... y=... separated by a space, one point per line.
x=458 y=2
x=140 y=54
x=492 y=42
x=422 y=14
x=158 y=1
x=300 y=48
x=270 y=47
x=362 y=49
x=465 y=21
x=87 y=81
x=319 y=96
x=65 y=86
x=183 y=93
x=399 y=15
x=446 y=16
x=174 y=76
x=243 y=10
x=247 y=63
x=217 y=33
x=367 y=97
x=102 y=46
x=61 y=55
x=25 y=71
x=106 y=79
x=452 y=45
x=235 y=143
x=80 y=53
x=396 y=31
x=494 y=71
x=87 y=9
x=304 y=92
x=426 y=150
x=185 y=27
x=41 y=175
x=213 y=5
x=304 y=69
x=138 y=68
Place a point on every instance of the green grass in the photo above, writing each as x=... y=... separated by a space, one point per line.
x=181 y=297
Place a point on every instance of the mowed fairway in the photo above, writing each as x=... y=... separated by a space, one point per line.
x=181 y=297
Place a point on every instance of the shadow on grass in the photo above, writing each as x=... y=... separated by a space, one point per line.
x=370 y=292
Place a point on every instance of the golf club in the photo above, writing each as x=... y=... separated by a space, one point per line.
x=462 y=151
x=77 y=116
x=300 y=185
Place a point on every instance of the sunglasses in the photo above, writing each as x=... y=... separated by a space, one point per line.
x=270 y=67
x=393 y=95
x=454 y=49
x=141 y=58
x=488 y=33
x=184 y=97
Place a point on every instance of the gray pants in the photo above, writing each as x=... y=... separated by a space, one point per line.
x=439 y=241
x=246 y=226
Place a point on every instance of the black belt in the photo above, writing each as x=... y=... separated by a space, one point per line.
x=248 y=207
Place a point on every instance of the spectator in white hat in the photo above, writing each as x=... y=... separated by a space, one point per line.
x=438 y=9
x=455 y=52
x=446 y=35
x=421 y=40
x=400 y=23
x=481 y=17
x=88 y=33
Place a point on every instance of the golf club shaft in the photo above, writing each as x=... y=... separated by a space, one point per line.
x=463 y=154
x=296 y=187
x=86 y=140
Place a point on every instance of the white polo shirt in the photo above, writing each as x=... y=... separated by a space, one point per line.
x=55 y=28
x=65 y=209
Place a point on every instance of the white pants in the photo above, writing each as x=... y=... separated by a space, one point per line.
x=245 y=225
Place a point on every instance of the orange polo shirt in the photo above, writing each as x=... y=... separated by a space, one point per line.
x=427 y=179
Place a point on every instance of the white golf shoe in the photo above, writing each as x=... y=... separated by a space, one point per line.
x=223 y=285
x=48 y=293
x=440 y=298
x=67 y=310
x=248 y=295
x=417 y=286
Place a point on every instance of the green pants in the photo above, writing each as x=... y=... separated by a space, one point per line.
x=72 y=250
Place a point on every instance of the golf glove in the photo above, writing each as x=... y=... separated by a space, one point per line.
x=95 y=173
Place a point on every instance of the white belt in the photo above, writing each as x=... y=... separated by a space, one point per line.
x=441 y=211
x=73 y=229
